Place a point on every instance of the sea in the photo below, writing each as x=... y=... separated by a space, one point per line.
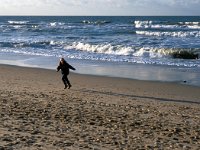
x=136 y=47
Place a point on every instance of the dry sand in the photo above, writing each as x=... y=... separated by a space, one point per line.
x=96 y=113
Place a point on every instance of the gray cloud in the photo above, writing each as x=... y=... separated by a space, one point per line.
x=179 y=3
x=19 y=3
x=104 y=7
x=165 y=2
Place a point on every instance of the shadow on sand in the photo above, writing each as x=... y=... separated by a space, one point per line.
x=137 y=96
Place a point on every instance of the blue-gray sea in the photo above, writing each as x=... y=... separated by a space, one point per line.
x=138 y=47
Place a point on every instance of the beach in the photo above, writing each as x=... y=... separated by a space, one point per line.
x=96 y=113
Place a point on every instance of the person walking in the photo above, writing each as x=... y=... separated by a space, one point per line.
x=64 y=67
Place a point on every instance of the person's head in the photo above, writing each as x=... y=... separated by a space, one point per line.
x=62 y=60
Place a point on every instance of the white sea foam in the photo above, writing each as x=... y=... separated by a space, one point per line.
x=98 y=22
x=101 y=48
x=18 y=22
x=143 y=55
x=165 y=25
x=194 y=26
x=120 y=50
x=174 y=34
x=54 y=24
x=142 y=24
x=190 y=23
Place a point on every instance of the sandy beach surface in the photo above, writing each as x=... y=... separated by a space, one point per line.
x=98 y=113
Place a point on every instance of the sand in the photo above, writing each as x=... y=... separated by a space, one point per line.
x=96 y=113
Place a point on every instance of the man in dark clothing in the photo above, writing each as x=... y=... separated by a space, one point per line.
x=64 y=67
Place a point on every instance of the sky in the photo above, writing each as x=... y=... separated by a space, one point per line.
x=100 y=7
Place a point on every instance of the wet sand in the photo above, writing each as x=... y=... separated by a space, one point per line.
x=96 y=113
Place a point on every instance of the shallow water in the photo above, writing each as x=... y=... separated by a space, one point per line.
x=181 y=75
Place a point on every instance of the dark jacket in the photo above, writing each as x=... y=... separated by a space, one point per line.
x=65 y=68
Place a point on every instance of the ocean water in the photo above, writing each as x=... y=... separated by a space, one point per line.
x=144 y=41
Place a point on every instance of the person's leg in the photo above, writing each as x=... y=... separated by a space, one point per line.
x=64 y=80
x=69 y=84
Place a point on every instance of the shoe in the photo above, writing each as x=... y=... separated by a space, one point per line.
x=69 y=86
x=65 y=87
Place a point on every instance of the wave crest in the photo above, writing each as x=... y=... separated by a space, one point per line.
x=146 y=52
x=174 y=34
x=98 y=22
x=166 y=25
x=54 y=24
x=101 y=48
x=18 y=22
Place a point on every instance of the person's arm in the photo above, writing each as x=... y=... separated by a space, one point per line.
x=58 y=68
x=70 y=67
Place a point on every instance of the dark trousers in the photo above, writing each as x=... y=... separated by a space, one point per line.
x=65 y=80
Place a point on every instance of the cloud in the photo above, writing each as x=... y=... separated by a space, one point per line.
x=100 y=7
x=165 y=7
x=21 y=3
x=105 y=3
x=179 y=3
x=171 y=3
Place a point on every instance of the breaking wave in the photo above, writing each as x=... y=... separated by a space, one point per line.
x=166 y=25
x=54 y=24
x=174 y=34
x=150 y=52
x=108 y=49
x=18 y=22
x=101 y=48
x=98 y=22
